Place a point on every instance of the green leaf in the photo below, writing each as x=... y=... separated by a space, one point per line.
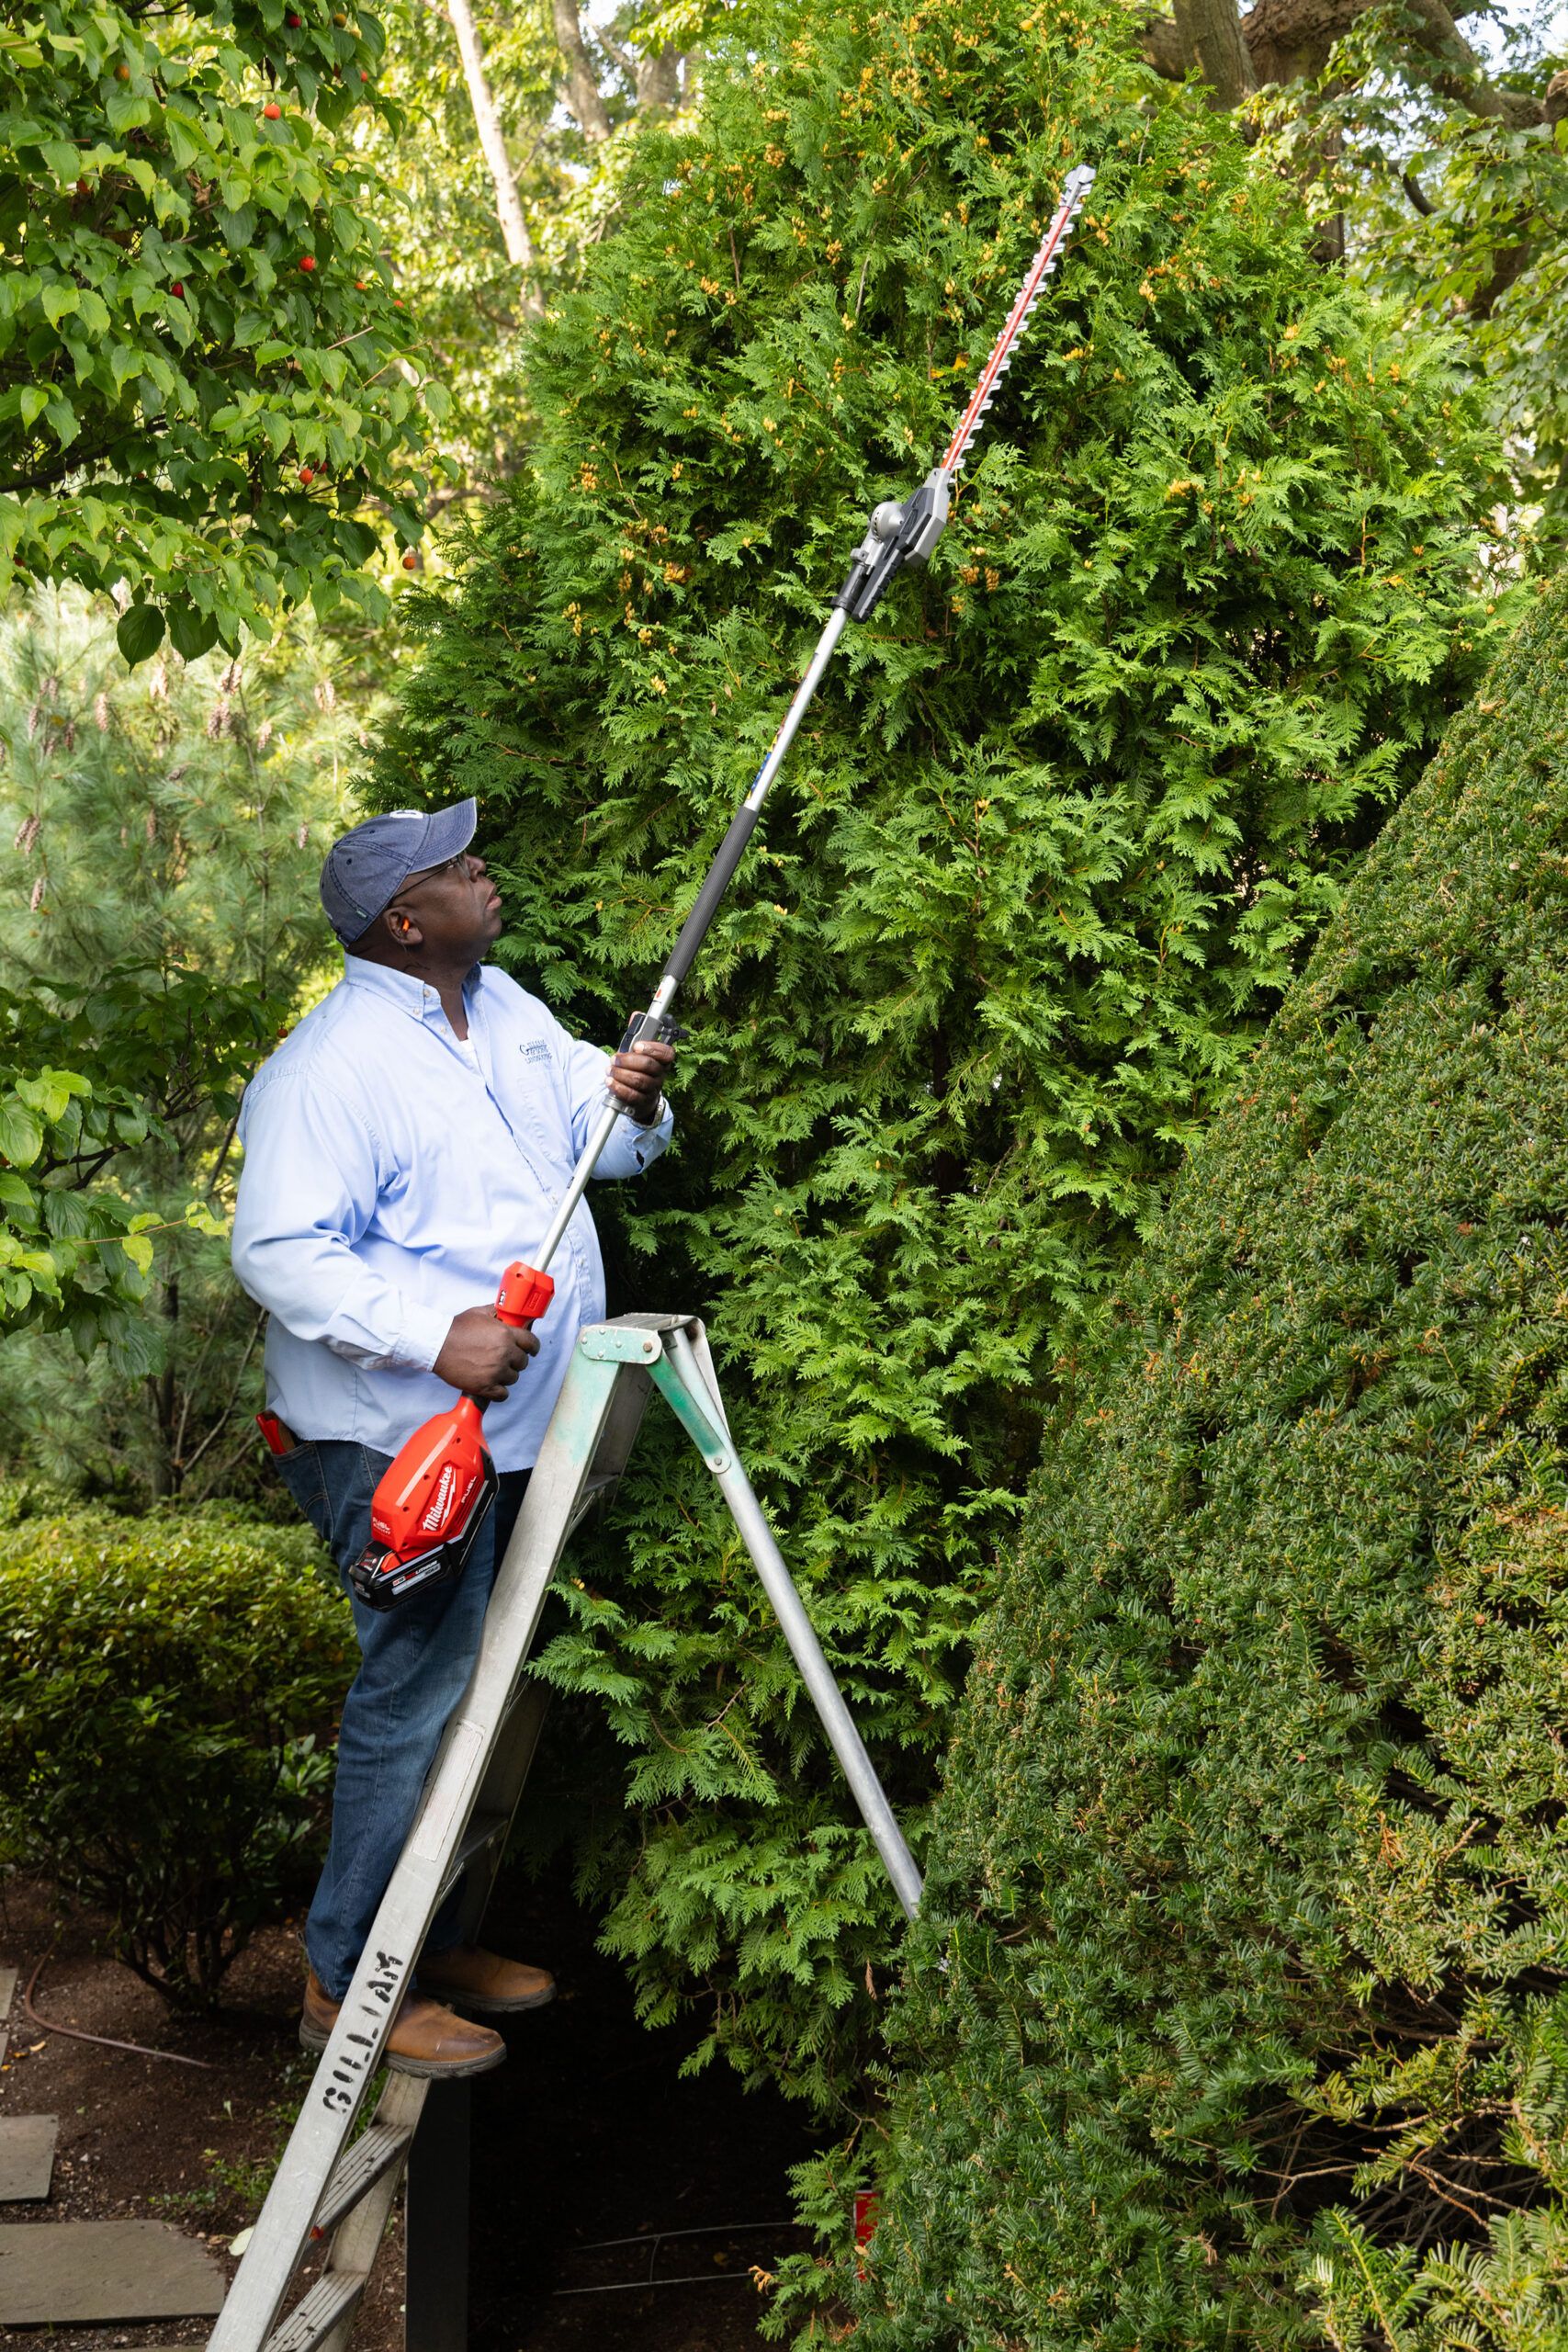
x=17 y=1201
x=138 y=636
x=21 y=1132
x=187 y=146
x=192 y=633
x=132 y=1348
x=138 y=1249
x=69 y=1215
x=49 y=1093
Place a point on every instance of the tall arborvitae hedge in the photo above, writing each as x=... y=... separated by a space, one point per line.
x=1250 y=1872
x=1034 y=875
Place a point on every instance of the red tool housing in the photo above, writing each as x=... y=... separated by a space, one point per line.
x=432 y=1502
x=428 y=1509
x=524 y=1294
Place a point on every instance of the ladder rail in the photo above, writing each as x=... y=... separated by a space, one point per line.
x=478 y=1777
x=386 y=1968
x=515 y=1747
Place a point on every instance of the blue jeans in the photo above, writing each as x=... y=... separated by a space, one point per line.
x=414 y=1661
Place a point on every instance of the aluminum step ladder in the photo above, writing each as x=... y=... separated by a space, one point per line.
x=334 y=2188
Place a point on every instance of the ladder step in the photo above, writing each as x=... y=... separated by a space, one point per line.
x=374 y=2153
x=482 y=1830
x=313 y=2319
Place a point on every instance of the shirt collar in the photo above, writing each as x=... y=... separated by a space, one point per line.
x=404 y=990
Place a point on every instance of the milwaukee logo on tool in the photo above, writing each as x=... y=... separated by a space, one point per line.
x=441 y=1502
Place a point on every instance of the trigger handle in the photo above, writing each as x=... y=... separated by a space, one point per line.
x=524 y=1295
x=665 y=1031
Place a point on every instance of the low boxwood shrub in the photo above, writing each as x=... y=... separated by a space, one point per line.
x=165 y=1688
x=1250 y=1872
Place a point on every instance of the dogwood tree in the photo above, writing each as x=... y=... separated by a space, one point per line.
x=209 y=403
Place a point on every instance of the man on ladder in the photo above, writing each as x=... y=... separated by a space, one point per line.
x=425 y=1116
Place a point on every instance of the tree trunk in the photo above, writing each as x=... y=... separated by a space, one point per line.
x=165 y=1478
x=1210 y=33
x=658 y=82
x=582 y=88
x=1282 y=41
x=492 y=139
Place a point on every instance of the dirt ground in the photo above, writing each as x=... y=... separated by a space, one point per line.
x=585 y=2135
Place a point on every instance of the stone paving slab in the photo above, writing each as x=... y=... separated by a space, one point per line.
x=72 y=2272
x=27 y=2155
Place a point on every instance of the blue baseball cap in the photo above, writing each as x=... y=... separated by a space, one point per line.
x=368 y=867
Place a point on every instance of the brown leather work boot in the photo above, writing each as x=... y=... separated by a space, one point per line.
x=482 y=1980
x=426 y=2039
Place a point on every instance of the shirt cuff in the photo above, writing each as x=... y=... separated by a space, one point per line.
x=421 y=1339
x=649 y=1142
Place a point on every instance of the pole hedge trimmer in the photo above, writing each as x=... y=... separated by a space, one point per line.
x=431 y=1505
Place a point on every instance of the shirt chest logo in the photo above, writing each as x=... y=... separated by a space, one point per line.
x=535 y=1051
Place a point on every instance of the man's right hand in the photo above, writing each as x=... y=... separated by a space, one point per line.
x=482 y=1356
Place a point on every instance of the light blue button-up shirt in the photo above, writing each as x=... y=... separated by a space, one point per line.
x=390 y=1175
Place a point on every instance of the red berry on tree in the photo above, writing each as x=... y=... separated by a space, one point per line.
x=410 y=560
x=179 y=288
x=306 y=473
x=271 y=111
x=294 y=21
x=306 y=261
x=84 y=188
x=363 y=76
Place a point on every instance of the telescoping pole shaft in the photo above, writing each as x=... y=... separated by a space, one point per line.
x=693 y=931
x=897 y=535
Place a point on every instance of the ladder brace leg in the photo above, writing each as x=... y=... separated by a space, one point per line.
x=679 y=1376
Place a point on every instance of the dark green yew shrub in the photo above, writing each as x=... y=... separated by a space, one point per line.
x=1033 y=879
x=165 y=1687
x=1251 y=1866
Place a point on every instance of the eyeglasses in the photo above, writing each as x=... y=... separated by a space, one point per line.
x=461 y=862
